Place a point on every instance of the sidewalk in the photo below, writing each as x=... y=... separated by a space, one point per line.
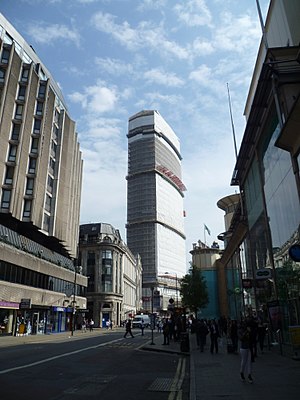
x=6 y=341
x=214 y=376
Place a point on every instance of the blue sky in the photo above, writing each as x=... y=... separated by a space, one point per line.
x=114 y=58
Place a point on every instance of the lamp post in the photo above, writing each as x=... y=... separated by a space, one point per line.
x=152 y=315
x=79 y=268
x=176 y=287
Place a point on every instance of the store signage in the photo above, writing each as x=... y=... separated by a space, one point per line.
x=9 y=304
x=25 y=304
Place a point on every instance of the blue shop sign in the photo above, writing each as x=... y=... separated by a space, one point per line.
x=61 y=309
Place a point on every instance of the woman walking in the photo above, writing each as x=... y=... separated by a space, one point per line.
x=245 y=351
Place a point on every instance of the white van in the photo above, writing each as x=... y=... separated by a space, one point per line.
x=136 y=323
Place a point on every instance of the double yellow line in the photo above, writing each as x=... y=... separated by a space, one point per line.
x=176 y=392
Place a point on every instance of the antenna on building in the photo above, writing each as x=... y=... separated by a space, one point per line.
x=234 y=141
x=232 y=124
x=264 y=36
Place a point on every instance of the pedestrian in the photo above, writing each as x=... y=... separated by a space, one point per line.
x=253 y=323
x=83 y=325
x=201 y=332
x=128 y=329
x=166 y=332
x=234 y=335
x=111 y=324
x=245 y=351
x=214 y=336
x=92 y=323
x=142 y=326
x=261 y=333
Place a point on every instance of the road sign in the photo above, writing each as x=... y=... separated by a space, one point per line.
x=263 y=273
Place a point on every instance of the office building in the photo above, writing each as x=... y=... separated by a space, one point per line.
x=266 y=225
x=40 y=190
x=114 y=289
x=155 y=216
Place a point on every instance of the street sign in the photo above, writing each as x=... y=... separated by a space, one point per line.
x=263 y=273
x=294 y=252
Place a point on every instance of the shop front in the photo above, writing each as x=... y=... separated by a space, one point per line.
x=8 y=312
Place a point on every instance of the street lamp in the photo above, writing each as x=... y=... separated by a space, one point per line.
x=79 y=269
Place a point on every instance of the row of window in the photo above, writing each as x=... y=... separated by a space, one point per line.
x=23 y=276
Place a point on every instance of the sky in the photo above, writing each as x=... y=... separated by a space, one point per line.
x=114 y=58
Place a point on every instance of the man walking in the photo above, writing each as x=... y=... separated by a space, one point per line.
x=128 y=329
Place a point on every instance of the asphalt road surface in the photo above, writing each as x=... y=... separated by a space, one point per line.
x=103 y=367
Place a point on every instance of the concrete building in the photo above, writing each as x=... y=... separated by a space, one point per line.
x=40 y=190
x=205 y=258
x=266 y=225
x=114 y=289
x=155 y=216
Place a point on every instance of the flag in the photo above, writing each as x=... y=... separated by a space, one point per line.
x=206 y=228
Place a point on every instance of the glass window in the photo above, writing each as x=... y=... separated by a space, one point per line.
x=22 y=92
x=25 y=74
x=34 y=145
x=52 y=165
x=5 y=56
x=42 y=91
x=29 y=186
x=5 y=201
x=19 y=111
x=106 y=254
x=53 y=148
x=46 y=223
x=39 y=108
x=12 y=153
x=27 y=208
x=9 y=175
x=15 y=132
x=48 y=203
x=50 y=184
x=32 y=165
x=37 y=126
x=2 y=75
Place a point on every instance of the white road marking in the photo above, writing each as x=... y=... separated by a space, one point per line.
x=5 y=371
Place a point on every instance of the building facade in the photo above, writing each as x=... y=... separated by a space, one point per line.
x=205 y=258
x=114 y=289
x=40 y=190
x=266 y=225
x=155 y=216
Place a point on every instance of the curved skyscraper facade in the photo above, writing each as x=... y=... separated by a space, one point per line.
x=155 y=216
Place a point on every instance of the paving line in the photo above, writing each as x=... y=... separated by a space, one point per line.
x=177 y=381
x=5 y=371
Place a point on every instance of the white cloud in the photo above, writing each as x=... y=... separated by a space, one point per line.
x=50 y=33
x=161 y=77
x=97 y=99
x=237 y=34
x=147 y=35
x=193 y=13
x=151 y=4
x=113 y=66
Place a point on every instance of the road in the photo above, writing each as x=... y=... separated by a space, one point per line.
x=105 y=366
